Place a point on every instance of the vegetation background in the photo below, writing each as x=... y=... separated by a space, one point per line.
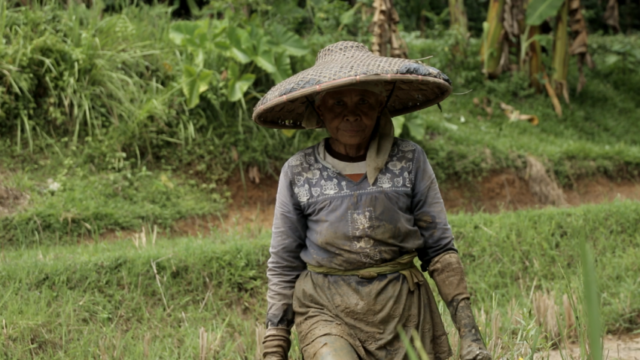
x=117 y=116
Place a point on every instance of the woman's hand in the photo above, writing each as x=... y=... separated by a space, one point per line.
x=471 y=345
x=448 y=274
x=276 y=344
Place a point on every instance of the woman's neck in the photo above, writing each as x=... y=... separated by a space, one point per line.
x=349 y=150
x=342 y=157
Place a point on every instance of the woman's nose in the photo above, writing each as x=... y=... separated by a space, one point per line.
x=352 y=115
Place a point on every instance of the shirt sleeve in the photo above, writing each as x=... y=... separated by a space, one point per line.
x=429 y=212
x=287 y=241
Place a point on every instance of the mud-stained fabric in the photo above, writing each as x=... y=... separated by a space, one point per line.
x=323 y=218
x=447 y=272
x=366 y=313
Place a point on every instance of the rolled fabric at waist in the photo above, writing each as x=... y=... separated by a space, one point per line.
x=403 y=265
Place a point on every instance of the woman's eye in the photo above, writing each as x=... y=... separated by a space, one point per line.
x=339 y=102
x=364 y=102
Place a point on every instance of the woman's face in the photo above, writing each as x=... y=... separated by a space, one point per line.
x=350 y=114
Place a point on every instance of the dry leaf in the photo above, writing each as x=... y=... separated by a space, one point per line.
x=386 y=37
x=515 y=115
x=611 y=16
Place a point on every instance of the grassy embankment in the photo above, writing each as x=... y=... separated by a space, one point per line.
x=94 y=101
x=116 y=300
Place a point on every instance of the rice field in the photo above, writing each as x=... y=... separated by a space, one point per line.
x=204 y=297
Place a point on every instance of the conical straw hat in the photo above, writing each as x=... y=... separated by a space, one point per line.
x=342 y=65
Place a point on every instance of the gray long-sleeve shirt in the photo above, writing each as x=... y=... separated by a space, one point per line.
x=323 y=218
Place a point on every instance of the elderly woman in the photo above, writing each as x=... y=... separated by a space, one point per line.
x=354 y=211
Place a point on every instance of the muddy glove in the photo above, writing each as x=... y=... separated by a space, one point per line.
x=446 y=270
x=276 y=343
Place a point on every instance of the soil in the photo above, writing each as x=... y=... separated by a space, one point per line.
x=252 y=205
x=506 y=191
x=624 y=347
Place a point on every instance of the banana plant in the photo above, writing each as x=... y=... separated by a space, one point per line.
x=491 y=49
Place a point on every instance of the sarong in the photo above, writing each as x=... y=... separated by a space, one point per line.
x=367 y=313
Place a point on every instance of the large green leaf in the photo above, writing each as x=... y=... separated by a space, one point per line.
x=181 y=30
x=349 y=16
x=189 y=33
x=222 y=45
x=265 y=57
x=288 y=41
x=194 y=83
x=539 y=10
x=237 y=84
x=283 y=67
x=239 y=43
x=237 y=88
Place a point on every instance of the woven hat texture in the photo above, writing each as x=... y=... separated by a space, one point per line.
x=415 y=85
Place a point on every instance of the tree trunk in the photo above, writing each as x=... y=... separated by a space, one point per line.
x=535 y=59
x=491 y=50
x=458 y=16
x=560 y=60
x=386 y=37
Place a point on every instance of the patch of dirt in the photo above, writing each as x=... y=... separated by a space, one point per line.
x=624 y=347
x=500 y=191
x=251 y=206
x=507 y=191
x=11 y=200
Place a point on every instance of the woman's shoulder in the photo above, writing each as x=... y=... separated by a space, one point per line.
x=303 y=158
x=404 y=146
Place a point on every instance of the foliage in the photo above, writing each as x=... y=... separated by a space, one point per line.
x=82 y=301
x=233 y=50
x=619 y=55
x=71 y=76
x=539 y=10
x=98 y=88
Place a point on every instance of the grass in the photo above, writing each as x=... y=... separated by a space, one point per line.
x=72 y=206
x=116 y=299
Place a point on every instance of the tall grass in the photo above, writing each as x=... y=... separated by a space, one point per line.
x=164 y=300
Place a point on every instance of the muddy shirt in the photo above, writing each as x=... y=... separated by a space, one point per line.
x=324 y=218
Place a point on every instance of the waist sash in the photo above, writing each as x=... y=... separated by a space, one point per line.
x=403 y=265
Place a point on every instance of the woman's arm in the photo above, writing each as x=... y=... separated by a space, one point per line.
x=429 y=212
x=285 y=265
x=440 y=257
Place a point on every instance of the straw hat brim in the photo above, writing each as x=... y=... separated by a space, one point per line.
x=415 y=86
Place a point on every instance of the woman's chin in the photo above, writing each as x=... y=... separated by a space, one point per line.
x=351 y=138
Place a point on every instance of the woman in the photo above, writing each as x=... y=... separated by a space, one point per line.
x=352 y=213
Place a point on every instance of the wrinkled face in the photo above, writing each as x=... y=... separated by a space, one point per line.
x=350 y=114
